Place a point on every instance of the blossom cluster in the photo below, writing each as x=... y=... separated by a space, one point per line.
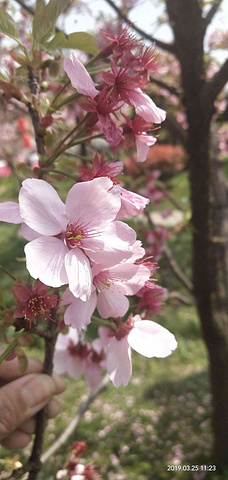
x=85 y=246
x=121 y=87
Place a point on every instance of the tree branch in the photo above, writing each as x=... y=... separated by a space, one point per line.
x=31 y=11
x=218 y=82
x=164 y=46
x=175 y=128
x=39 y=132
x=75 y=421
x=181 y=298
x=207 y=20
x=33 y=465
x=169 y=88
x=25 y=7
x=41 y=420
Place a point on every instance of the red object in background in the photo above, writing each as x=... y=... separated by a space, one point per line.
x=26 y=140
x=22 y=124
x=5 y=170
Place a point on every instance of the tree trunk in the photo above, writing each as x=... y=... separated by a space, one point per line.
x=209 y=212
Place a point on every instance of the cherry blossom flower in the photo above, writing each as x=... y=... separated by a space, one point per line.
x=127 y=85
x=103 y=103
x=146 y=61
x=78 y=313
x=66 y=238
x=114 y=284
x=145 y=336
x=151 y=298
x=102 y=168
x=124 y=42
x=131 y=203
x=34 y=303
x=76 y=358
x=137 y=130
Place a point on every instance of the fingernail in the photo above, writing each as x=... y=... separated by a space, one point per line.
x=37 y=390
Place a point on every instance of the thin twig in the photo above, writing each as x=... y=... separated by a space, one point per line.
x=30 y=10
x=172 y=262
x=39 y=132
x=210 y=15
x=75 y=421
x=7 y=273
x=178 y=296
x=8 y=350
x=41 y=421
x=33 y=465
x=170 y=88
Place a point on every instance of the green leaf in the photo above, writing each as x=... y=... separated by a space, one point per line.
x=24 y=170
x=77 y=40
x=45 y=18
x=7 y=25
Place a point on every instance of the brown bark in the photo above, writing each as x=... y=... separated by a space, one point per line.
x=209 y=207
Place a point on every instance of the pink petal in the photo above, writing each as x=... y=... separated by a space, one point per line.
x=41 y=208
x=145 y=107
x=93 y=376
x=119 y=364
x=28 y=233
x=45 y=260
x=40 y=288
x=127 y=278
x=22 y=293
x=67 y=297
x=74 y=366
x=63 y=340
x=143 y=144
x=111 y=304
x=131 y=203
x=79 y=313
x=79 y=77
x=59 y=361
x=151 y=339
x=79 y=274
x=111 y=131
x=92 y=203
x=113 y=245
x=10 y=213
x=19 y=311
x=105 y=334
x=138 y=252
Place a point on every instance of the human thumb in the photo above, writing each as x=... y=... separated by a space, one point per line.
x=24 y=397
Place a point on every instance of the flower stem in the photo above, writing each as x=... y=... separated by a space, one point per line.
x=7 y=272
x=59 y=93
x=9 y=349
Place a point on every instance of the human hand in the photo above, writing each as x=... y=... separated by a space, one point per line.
x=21 y=397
